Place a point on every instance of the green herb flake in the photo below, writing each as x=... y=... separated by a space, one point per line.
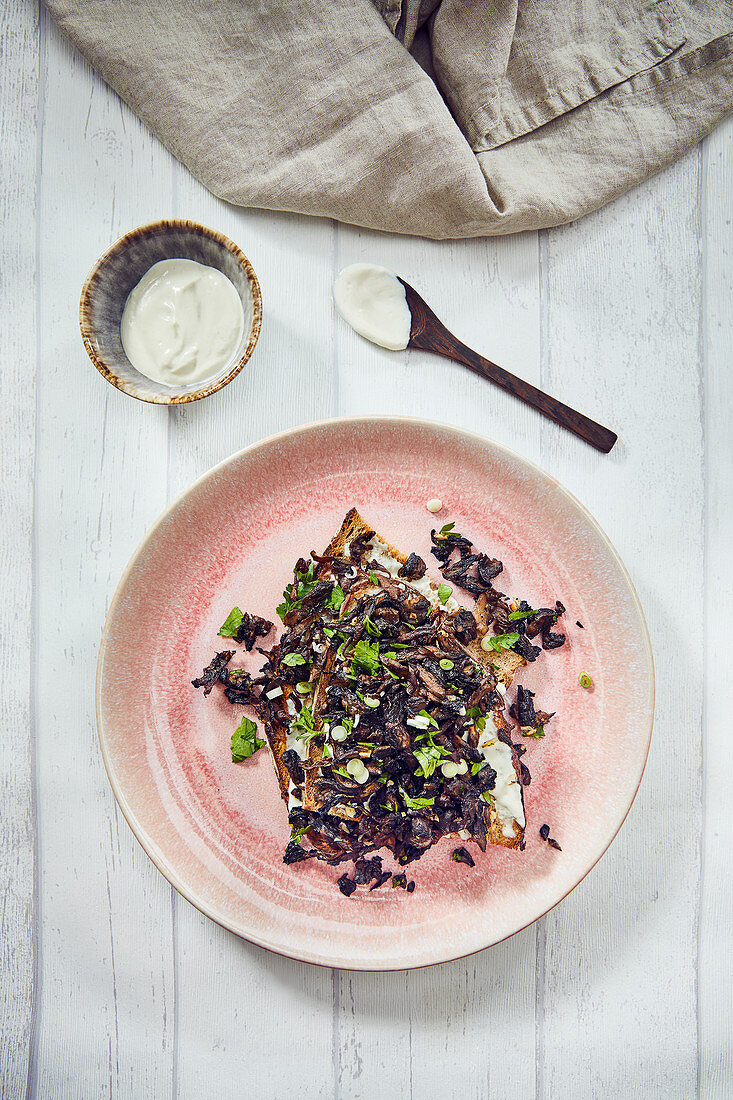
x=245 y=741
x=514 y=616
x=444 y=592
x=236 y=674
x=476 y=768
x=415 y=803
x=336 y=598
x=303 y=726
x=428 y=760
x=585 y=681
x=538 y=732
x=296 y=835
x=446 y=665
x=231 y=624
x=372 y=628
x=502 y=641
x=448 y=529
x=424 y=714
x=293 y=659
x=373 y=578
x=479 y=719
x=366 y=656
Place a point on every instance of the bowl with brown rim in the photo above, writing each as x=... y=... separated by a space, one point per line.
x=122 y=267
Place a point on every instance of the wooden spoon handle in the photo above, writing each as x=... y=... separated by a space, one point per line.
x=599 y=437
x=430 y=334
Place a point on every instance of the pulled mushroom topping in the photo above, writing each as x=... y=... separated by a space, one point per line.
x=212 y=672
x=545 y=834
x=531 y=722
x=251 y=628
x=413 y=569
x=360 y=545
x=474 y=572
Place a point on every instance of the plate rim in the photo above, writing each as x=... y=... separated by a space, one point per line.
x=148 y=844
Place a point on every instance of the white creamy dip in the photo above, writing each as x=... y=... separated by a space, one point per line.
x=182 y=324
x=372 y=300
x=507 y=790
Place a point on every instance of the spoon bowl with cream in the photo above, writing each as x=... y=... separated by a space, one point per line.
x=171 y=312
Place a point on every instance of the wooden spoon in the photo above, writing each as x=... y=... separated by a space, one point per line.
x=428 y=333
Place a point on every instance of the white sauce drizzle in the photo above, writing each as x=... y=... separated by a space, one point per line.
x=291 y=742
x=507 y=790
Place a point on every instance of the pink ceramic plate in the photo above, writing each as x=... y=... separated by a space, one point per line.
x=217 y=830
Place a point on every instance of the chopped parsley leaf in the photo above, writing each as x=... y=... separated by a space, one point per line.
x=336 y=598
x=447 y=529
x=372 y=628
x=303 y=726
x=415 y=803
x=231 y=624
x=502 y=641
x=245 y=741
x=366 y=657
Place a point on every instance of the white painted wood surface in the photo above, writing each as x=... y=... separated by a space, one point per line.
x=110 y=984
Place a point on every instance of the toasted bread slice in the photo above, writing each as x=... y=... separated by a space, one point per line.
x=276 y=734
x=503 y=664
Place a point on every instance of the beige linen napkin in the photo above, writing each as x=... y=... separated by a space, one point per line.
x=443 y=119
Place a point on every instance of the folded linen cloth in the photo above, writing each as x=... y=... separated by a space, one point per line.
x=440 y=118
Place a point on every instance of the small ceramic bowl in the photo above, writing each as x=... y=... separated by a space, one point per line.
x=121 y=268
